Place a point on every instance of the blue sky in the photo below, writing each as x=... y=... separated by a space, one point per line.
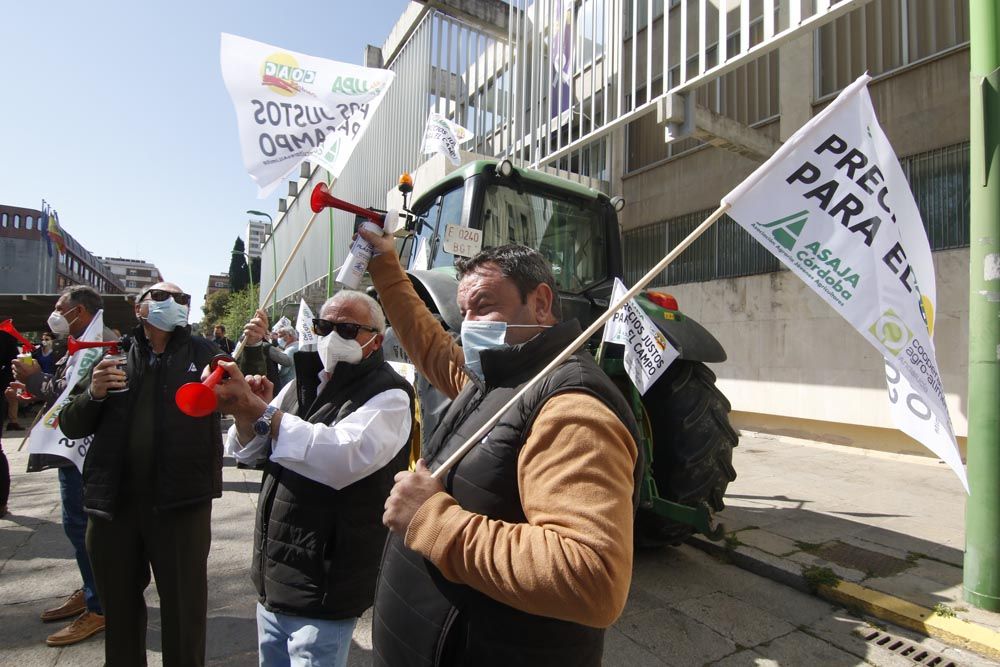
x=116 y=114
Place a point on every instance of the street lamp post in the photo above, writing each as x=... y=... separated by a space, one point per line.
x=274 y=257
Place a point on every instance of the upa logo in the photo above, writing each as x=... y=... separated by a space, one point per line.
x=892 y=332
x=352 y=85
x=281 y=74
x=786 y=230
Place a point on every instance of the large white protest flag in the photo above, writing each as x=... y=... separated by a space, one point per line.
x=443 y=136
x=46 y=437
x=647 y=350
x=291 y=107
x=303 y=325
x=833 y=204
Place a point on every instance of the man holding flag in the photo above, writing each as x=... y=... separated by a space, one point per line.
x=524 y=555
x=75 y=311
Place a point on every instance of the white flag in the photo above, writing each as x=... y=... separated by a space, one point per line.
x=46 y=437
x=291 y=107
x=281 y=324
x=833 y=204
x=647 y=350
x=304 y=326
x=443 y=136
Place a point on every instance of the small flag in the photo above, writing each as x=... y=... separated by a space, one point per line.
x=303 y=324
x=55 y=232
x=444 y=137
x=647 y=350
x=43 y=225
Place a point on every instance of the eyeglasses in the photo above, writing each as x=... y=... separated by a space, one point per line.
x=346 y=330
x=180 y=298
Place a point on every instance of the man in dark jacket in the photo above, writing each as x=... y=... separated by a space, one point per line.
x=149 y=479
x=221 y=341
x=331 y=442
x=522 y=553
x=74 y=311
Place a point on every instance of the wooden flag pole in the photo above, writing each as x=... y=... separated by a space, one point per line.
x=580 y=340
x=284 y=269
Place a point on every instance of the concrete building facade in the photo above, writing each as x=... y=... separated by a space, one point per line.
x=217 y=282
x=135 y=274
x=256 y=232
x=26 y=267
x=794 y=365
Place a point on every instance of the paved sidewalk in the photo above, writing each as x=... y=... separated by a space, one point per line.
x=686 y=607
x=804 y=513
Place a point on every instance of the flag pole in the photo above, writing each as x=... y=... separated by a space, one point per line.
x=277 y=279
x=981 y=571
x=580 y=340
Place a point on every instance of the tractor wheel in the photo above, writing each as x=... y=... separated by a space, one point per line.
x=692 y=450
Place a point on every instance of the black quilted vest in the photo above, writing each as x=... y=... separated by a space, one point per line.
x=316 y=549
x=423 y=619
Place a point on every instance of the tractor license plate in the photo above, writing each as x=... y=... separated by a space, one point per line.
x=462 y=241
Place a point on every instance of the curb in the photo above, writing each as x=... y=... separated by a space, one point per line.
x=953 y=631
x=914 y=617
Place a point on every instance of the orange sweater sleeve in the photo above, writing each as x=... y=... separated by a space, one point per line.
x=572 y=560
x=429 y=347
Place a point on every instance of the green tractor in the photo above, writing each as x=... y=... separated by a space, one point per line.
x=684 y=418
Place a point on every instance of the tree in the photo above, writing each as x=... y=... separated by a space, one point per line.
x=239 y=274
x=214 y=309
x=255 y=270
x=240 y=307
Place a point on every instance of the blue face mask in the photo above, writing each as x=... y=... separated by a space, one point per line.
x=478 y=336
x=167 y=315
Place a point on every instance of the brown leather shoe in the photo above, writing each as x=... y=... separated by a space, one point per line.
x=74 y=605
x=86 y=625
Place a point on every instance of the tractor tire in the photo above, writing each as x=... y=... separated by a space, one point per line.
x=692 y=448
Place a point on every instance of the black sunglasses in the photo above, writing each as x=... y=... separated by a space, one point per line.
x=181 y=298
x=346 y=330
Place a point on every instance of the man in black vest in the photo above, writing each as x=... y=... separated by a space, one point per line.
x=524 y=554
x=331 y=442
x=148 y=482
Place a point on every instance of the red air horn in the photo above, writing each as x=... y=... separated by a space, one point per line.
x=73 y=345
x=321 y=198
x=8 y=327
x=196 y=399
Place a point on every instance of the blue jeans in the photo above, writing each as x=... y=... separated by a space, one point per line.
x=294 y=641
x=74 y=521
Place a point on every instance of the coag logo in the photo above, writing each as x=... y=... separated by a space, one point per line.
x=281 y=73
x=352 y=85
x=786 y=230
x=891 y=331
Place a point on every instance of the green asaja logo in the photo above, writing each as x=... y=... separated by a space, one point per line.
x=891 y=331
x=786 y=230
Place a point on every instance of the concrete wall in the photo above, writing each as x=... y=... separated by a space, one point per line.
x=795 y=366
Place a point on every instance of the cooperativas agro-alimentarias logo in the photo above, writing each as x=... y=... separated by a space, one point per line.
x=280 y=72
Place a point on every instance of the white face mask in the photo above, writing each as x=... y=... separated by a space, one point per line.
x=59 y=324
x=333 y=349
x=167 y=315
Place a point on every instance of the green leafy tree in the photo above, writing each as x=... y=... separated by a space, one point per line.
x=239 y=309
x=255 y=270
x=239 y=273
x=214 y=309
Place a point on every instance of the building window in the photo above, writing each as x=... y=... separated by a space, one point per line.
x=939 y=180
x=886 y=35
x=17 y=221
x=29 y=222
x=3 y=220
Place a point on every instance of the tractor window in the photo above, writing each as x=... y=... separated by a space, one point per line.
x=569 y=235
x=446 y=210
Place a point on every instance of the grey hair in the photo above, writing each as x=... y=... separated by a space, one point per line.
x=351 y=296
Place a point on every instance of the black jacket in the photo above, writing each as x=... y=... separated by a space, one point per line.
x=316 y=548
x=188 y=450
x=423 y=619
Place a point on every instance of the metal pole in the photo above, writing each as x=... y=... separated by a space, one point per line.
x=329 y=265
x=982 y=511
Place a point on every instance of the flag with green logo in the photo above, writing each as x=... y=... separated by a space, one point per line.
x=46 y=436
x=834 y=205
x=291 y=107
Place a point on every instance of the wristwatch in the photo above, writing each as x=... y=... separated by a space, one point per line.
x=263 y=424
